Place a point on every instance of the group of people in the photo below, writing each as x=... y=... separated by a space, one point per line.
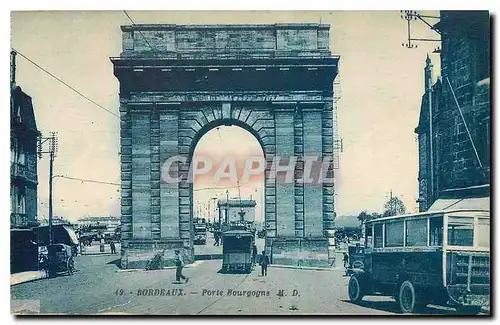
x=264 y=260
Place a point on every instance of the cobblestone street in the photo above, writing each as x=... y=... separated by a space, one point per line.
x=97 y=288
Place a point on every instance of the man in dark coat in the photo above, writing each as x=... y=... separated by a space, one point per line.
x=254 y=254
x=346 y=260
x=179 y=264
x=216 y=237
x=264 y=262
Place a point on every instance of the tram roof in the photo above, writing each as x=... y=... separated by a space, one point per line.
x=237 y=232
x=421 y=214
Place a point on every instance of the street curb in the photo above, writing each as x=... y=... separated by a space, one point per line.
x=28 y=280
x=308 y=268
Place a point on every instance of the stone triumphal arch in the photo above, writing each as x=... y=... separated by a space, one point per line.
x=179 y=81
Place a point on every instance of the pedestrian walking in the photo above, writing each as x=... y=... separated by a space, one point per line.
x=112 y=247
x=254 y=254
x=179 y=263
x=346 y=260
x=216 y=237
x=264 y=262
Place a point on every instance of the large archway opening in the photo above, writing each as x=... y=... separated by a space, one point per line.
x=224 y=189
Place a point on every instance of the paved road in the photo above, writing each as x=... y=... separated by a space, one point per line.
x=96 y=288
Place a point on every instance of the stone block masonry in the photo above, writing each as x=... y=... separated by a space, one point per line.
x=275 y=81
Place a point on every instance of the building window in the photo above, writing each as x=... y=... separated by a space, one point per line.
x=378 y=236
x=394 y=234
x=18 y=114
x=483 y=232
x=22 y=157
x=436 y=231
x=484 y=141
x=21 y=203
x=416 y=232
x=459 y=128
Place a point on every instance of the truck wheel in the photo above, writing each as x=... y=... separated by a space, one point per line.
x=70 y=266
x=407 y=298
x=356 y=290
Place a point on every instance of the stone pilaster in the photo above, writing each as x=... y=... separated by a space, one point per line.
x=328 y=184
x=169 y=191
x=126 y=175
x=299 y=170
x=141 y=175
x=313 y=148
x=285 y=192
x=155 y=174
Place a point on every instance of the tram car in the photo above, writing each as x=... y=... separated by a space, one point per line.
x=237 y=250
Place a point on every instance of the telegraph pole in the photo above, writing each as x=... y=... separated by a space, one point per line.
x=51 y=169
x=227 y=206
x=53 y=146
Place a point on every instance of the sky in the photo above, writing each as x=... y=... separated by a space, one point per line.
x=381 y=84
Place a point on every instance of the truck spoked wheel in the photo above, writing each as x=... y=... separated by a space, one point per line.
x=355 y=289
x=70 y=266
x=406 y=297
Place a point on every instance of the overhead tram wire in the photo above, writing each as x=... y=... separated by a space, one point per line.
x=117 y=184
x=65 y=83
x=87 y=180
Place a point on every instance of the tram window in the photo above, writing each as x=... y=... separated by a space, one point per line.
x=369 y=236
x=483 y=232
x=394 y=234
x=460 y=231
x=378 y=235
x=436 y=231
x=416 y=232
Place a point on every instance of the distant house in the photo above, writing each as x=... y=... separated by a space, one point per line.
x=23 y=160
x=109 y=223
x=454 y=126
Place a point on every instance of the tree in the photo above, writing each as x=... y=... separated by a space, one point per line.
x=394 y=206
x=363 y=217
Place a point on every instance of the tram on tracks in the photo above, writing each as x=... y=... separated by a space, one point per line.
x=237 y=249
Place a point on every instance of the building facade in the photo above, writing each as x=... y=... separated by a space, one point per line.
x=23 y=158
x=454 y=126
x=177 y=82
x=110 y=222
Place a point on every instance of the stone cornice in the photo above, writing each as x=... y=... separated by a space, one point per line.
x=276 y=98
x=224 y=26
